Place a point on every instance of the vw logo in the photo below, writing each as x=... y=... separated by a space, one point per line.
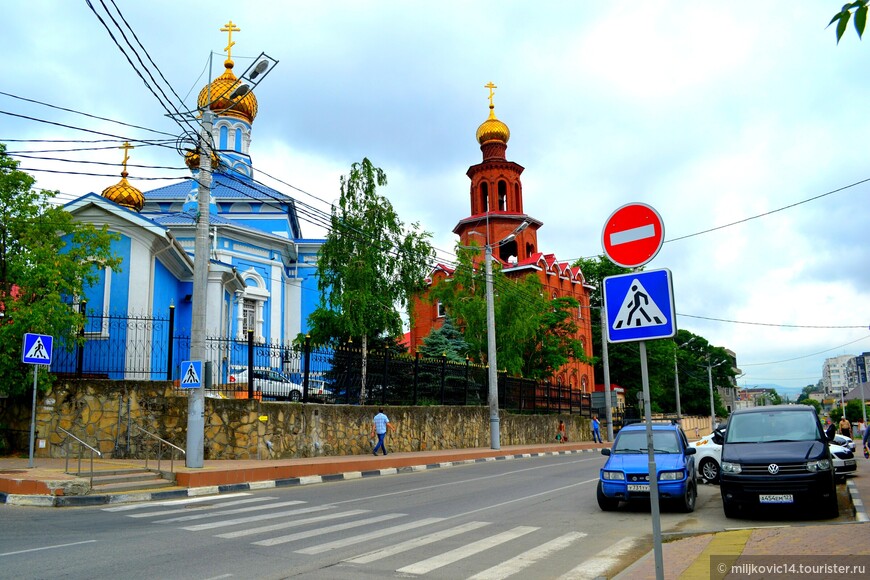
x=773 y=469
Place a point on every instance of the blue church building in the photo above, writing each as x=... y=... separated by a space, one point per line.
x=262 y=270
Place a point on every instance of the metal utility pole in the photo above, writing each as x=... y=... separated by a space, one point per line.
x=196 y=397
x=494 y=434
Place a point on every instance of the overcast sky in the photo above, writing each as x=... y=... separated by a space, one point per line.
x=713 y=113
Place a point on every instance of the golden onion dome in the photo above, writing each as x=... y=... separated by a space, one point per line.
x=492 y=129
x=191 y=159
x=219 y=92
x=125 y=194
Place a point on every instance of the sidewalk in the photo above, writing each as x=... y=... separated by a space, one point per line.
x=684 y=557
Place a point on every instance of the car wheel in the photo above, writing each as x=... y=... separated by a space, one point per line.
x=732 y=510
x=831 y=509
x=709 y=470
x=295 y=395
x=607 y=504
x=687 y=503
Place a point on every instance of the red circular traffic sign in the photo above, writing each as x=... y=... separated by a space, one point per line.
x=633 y=235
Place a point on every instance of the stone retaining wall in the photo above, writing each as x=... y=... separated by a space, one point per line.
x=102 y=412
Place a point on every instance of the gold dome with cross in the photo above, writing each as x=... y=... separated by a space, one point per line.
x=492 y=129
x=216 y=95
x=122 y=192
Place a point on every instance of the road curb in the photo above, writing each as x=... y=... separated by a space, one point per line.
x=857 y=502
x=104 y=499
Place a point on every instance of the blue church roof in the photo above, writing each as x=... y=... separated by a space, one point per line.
x=225 y=187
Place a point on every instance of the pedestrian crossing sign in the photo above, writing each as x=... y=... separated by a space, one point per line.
x=37 y=349
x=639 y=306
x=191 y=374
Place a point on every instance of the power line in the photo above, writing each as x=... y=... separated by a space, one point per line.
x=778 y=325
x=804 y=356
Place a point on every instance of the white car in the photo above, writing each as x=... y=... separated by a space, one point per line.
x=844 y=460
x=270 y=384
x=844 y=441
x=708 y=455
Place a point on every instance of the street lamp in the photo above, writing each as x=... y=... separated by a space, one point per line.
x=710 y=379
x=492 y=370
x=677 y=376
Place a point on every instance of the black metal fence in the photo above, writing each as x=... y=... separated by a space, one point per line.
x=120 y=347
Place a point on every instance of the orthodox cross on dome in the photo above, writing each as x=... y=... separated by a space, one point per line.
x=229 y=28
x=490 y=86
x=126 y=147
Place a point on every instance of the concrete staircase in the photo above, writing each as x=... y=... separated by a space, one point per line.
x=127 y=480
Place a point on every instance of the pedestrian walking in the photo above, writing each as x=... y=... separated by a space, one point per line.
x=561 y=437
x=866 y=441
x=596 y=430
x=380 y=424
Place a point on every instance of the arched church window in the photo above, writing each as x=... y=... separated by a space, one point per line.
x=502 y=195
x=530 y=249
x=238 y=143
x=484 y=197
x=224 y=137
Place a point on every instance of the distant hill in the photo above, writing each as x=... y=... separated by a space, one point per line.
x=790 y=393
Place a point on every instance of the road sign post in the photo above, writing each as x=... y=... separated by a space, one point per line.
x=637 y=307
x=36 y=351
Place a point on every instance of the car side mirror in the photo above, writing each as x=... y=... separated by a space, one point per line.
x=691 y=450
x=717 y=439
x=606 y=451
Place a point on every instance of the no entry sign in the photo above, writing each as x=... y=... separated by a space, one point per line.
x=633 y=235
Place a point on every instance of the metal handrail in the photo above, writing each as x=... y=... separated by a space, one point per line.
x=81 y=443
x=160 y=453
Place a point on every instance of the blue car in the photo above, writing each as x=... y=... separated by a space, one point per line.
x=625 y=476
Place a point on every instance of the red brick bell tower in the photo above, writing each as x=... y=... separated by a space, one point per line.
x=496 y=197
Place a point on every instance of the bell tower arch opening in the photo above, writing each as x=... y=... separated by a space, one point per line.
x=502 y=195
x=484 y=197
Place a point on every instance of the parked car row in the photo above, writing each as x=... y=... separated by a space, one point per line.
x=775 y=455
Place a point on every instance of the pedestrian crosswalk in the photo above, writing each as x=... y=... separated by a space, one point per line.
x=410 y=546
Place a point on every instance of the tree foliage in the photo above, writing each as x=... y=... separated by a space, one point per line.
x=369 y=266
x=858 y=9
x=535 y=336
x=445 y=341
x=46 y=260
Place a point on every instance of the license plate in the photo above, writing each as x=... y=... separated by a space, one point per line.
x=849 y=462
x=638 y=487
x=776 y=498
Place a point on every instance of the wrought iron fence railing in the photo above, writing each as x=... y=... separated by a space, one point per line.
x=150 y=348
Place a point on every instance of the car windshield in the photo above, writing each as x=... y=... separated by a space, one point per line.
x=772 y=426
x=635 y=442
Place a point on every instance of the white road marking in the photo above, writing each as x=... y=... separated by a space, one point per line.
x=293 y=524
x=320 y=548
x=47 y=548
x=201 y=508
x=257 y=518
x=441 y=560
x=416 y=543
x=326 y=530
x=526 y=559
x=243 y=510
x=632 y=235
x=598 y=565
x=124 y=508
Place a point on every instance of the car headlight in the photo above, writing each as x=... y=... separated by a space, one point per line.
x=728 y=467
x=820 y=465
x=671 y=475
x=613 y=475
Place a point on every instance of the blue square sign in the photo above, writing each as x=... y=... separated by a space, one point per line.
x=639 y=306
x=37 y=349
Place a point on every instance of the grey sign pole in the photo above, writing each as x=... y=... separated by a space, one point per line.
x=653 y=474
x=33 y=418
x=606 y=361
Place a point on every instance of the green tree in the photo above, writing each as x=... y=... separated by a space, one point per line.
x=370 y=265
x=46 y=260
x=814 y=404
x=534 y=334
x=446 y=340
x=853 y=411
x=859 y=10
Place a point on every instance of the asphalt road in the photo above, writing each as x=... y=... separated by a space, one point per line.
x=536 y=518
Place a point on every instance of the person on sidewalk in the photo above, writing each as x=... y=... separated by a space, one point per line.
x=830 y=430
x=866 y=441
x=845 y=427
x=596 y=430
x=561 y=437
x=380 y=424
